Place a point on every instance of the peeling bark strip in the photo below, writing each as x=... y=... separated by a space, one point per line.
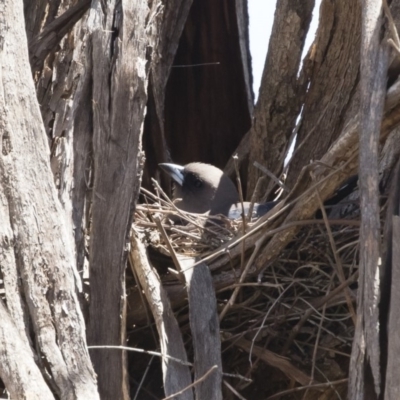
x=176 y=376
x=44 y=254
x=41 y=45
x=365 y=358
x=65 y=96
x=204 y=325
x=122 y=34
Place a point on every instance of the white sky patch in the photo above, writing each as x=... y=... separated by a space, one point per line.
x=261 y=16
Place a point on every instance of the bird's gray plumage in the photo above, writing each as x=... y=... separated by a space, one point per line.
x=202 y=188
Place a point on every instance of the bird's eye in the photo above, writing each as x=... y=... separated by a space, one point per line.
x=198 y=183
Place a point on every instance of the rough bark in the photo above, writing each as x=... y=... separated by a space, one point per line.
x=10 y=274
x=374 y=62
x=42 y=245
x=64 y=92
x=281 y=93
x=75 y=104
x=334 y=68
x=39 y=13
x=120 y=39
x=47 y=40
x=18 y=369
x=392 y=385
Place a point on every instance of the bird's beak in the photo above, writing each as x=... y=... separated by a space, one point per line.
x=175 y=171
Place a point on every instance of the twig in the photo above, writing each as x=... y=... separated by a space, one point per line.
x=394 y=41
x=315 y=386
x=150 y=352
x=233 y=390
x=140 y=385
x=316 y=345
x=196 y=382
x=239 y=184
x=271 y=175
x=232 y=299
x=339 y=266
x=254 y=196
x=317 y=305
x=170 y=248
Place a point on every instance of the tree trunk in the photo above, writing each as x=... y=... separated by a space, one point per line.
x=40 y=240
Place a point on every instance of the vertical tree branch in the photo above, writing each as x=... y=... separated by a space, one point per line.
x=122 y=34
x=281 y=93
x=365 y=360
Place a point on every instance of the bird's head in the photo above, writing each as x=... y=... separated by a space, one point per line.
x=202 y=188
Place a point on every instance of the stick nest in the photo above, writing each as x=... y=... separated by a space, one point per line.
x=295 y=318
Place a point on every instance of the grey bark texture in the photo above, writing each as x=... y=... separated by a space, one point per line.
x=119 y=90
x=333 y=72
x=204 y=325
x=392 y=385
x=41 y=243
x=86 y=90
x=281 y=94
x=18 y=368
x=374 y=64
x=176 y=376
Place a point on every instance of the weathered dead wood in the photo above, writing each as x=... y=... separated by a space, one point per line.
x=332 y=98
x=204 y=325
x=121 y=35
x=175 y=376
x=374 y=64
x=171 y=25
x=47 y=40
x=38 y=13
x=242 y=18
x=10 y=274
x=66 y=97
x=43 y=250
x=281 y=94
x=392 y=384
x=389 y=292
x=18 y=369
x=64 y=93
